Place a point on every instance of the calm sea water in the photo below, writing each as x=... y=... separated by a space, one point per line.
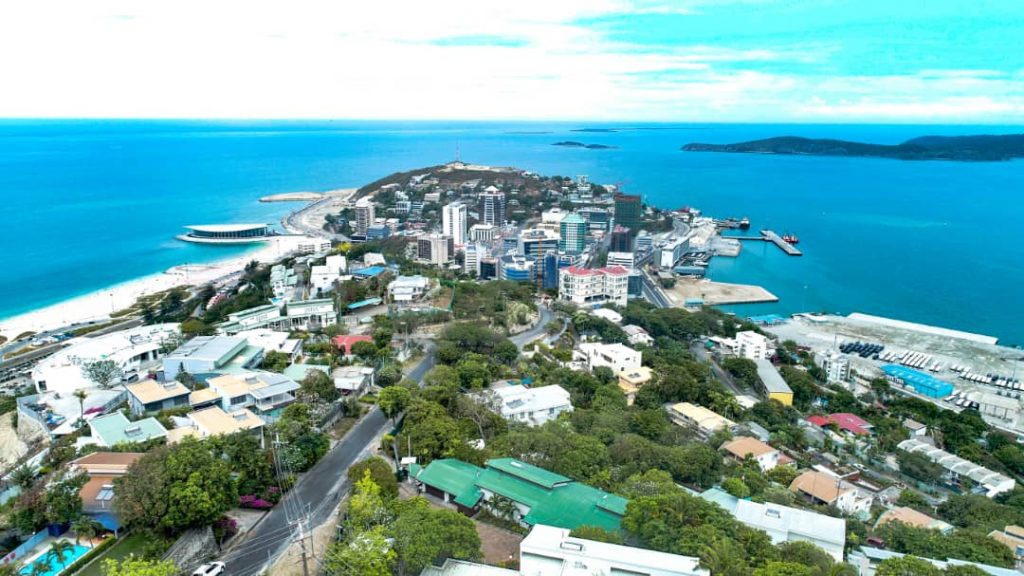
x=89 y=204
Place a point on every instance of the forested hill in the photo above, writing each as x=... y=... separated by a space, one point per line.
x=980 y=148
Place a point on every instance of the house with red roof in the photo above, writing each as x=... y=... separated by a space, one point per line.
x=344 y=342
x=845 y=421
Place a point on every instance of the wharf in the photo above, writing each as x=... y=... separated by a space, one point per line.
x=770 y=236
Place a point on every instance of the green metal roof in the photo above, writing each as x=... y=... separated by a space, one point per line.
x=115 y=428
x=552 y=499
x=527 y=472
x=450 y=475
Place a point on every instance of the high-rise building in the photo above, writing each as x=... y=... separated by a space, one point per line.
x=491 y=207
x=364 y=216
x=621 y=239
x=627 y=211
x=535 y=242
x=572 y=234
x=836 y=367
x=488 y=268
x=435 y=248
x=474 y=254
x=453 y=222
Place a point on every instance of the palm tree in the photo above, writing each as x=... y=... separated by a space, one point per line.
x=87 y=528
x=59 y=549
x=24 y=476
x=81 y=394
x=41 y=567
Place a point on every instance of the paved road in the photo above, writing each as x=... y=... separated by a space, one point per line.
x=524 y=338
x=318 y=492
x=652 y=293
x=723 y=376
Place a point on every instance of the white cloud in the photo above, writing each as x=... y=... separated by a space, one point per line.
x=328 y=59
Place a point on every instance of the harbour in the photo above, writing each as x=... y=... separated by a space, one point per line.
x=785 y=243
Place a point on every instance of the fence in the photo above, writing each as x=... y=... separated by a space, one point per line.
x=26 y=547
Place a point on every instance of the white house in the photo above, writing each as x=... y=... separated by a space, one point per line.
x=618 y=357
x=353 y=380
x=273 y=341
x=608 y=314
x=408 y=288
x=637 y=335
x=534 y=406
x=134 y=351
x=550 y=551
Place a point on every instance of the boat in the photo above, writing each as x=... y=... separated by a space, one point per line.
x=745 y=223
x=791 y=239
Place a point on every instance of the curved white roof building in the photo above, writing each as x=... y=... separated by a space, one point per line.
x=227 y=233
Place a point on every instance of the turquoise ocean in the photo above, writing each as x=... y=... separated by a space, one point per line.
x=89 y=204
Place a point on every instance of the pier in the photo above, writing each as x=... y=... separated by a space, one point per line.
x=770 y=236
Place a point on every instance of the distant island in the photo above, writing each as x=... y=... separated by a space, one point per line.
x=574 y=144
x=980 y=148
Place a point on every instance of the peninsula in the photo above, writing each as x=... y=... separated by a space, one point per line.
x=979 y=148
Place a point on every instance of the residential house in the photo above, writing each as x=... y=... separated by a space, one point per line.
x=115 y=428
x=273 y=341
x=266 y=393
x=702 y=420
x=405 y=289
x=353 y=380
x=845 y=421
x=344 y=342
x=630 y=381
x=915 y=428
x=532 y=406
x=742 y=447
x=913 y=518
x=784 y=523
x=215 y=421
x=311 y=314
x=148 y=396
x=537 y=495
x=135 y=351
x=637 y=335
x=97 y=494
x=207 y=354
x=607 y=314
x=821 y=488
x=1013 y=538
x=616 y=356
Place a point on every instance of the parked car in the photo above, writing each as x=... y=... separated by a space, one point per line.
x=211 y=569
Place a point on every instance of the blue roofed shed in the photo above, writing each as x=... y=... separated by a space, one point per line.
x=922 y=383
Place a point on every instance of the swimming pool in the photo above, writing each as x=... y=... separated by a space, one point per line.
x=74 y=553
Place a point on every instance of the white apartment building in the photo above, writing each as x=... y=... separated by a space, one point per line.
x=751 y=345
x=453 y=222
x=437 y=249
x=836 y=367
x=533 y=406
x=624 y=259
x=587 y=287
x=618 y=357
x=483 y=232
x=365 y=216
x=408 y=288
x=474 y=253
x=322 y=278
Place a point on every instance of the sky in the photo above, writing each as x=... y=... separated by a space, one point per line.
x=910 y=61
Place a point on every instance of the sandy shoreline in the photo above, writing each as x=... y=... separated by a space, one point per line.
x=98 y=305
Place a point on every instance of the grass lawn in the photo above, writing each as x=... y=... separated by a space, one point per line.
x=132 y=543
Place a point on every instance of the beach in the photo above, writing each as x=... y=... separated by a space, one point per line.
x=97 y=306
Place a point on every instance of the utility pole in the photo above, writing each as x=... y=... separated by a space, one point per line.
x=302 y=546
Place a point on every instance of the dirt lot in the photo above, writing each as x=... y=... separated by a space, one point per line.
x=717 y=292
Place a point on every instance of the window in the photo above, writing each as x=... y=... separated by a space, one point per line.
x=238 y=400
